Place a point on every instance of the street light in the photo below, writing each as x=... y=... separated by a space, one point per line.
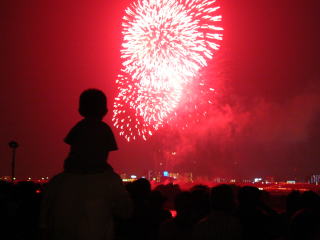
x=13 y=145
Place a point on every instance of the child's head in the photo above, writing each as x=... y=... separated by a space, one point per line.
x=93 y=104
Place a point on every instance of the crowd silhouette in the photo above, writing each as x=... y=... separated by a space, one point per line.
x=222 y=212
x=89 y=201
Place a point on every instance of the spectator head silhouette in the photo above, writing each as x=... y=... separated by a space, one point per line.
x=157 y=199
x=293 y=202
x=183 y=203
x=311 y=200
x=222 y=198
x=305 y=224
x=201 y=202
x=139 y=189
x=249 y=196
x=93 y=104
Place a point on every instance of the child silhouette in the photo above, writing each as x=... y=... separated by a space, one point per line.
x=91 y=139
x=82 y=201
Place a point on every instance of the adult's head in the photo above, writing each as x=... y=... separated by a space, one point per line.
x=93 y=104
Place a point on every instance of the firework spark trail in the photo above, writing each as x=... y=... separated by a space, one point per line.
x=165 y=45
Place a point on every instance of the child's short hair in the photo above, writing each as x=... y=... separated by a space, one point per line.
x=93 y=103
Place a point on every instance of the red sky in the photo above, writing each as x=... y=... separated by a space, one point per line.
x=267 y=75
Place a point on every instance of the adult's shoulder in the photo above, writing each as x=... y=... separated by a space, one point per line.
x=57 y=177
x=56 y=181
x=61 y=177
x=112 y=176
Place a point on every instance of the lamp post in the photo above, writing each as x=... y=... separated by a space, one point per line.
x=13 y=145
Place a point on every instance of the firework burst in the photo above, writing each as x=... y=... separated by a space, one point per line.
x=165 y=45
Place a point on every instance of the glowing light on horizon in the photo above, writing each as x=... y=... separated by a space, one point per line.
x=165 y=45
